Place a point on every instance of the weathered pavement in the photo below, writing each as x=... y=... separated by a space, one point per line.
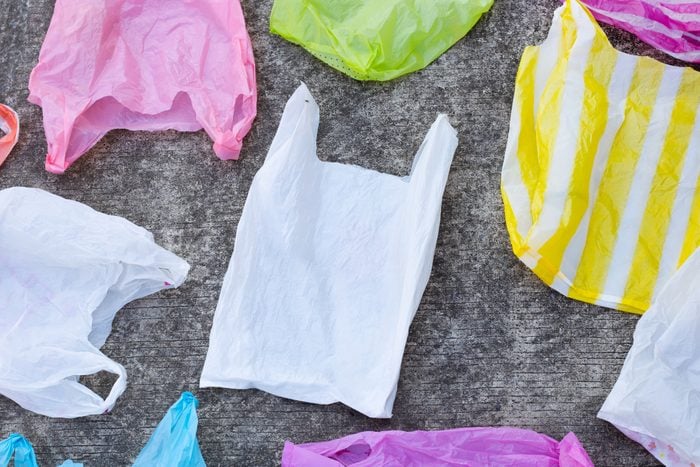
x=490 y=345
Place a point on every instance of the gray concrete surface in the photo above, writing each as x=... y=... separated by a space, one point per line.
x=490 y=345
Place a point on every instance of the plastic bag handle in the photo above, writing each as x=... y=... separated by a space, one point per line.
x=432 y=162
x=64 y=397
x=118 y=388
x=299 y=123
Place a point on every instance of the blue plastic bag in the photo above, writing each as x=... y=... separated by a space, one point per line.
x=174 y=442
x=22 y=449
x=18 y=446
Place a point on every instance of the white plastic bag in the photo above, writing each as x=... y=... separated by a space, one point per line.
x=65 y=270
x=328 y=269
x=656 y=399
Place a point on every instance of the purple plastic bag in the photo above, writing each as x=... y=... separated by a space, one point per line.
x=458 y=447
x=144 y=65
x=672 y=26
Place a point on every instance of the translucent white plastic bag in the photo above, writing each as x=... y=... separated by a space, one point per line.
x=65 y=270
x=656 y=399
x=328 y=269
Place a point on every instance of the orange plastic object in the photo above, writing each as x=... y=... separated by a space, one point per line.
x=9 y=123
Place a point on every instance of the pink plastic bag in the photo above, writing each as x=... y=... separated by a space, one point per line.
x=144 y=65
x=459 y=447
x=672 y=26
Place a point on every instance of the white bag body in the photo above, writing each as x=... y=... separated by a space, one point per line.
x=328 y=270
x=65 y=270
x=656 y=399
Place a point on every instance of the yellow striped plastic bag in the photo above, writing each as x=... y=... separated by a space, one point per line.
x=600 y=177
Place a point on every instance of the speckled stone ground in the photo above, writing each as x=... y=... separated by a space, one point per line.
x=490 y=345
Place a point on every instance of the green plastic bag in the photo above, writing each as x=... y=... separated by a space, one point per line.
x=376 y=39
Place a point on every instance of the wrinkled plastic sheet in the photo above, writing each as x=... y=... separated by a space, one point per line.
x=66 y=270
x=376 y=40
x=144 y=65
x=328 y=269
x=472 y=447
x=174 y=441
x=655 y=400
x=672 y=26
x=600 y=177
x=9 y=125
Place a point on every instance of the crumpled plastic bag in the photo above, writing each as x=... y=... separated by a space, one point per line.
x=66 y=270
x=328 y=269
x=600 y=177
x=474 y=447
x=655 y=400
x=174 y=441
x=376 y=40
x=18 y=447
x=672 y=26
x=144 y=65
x=9 y=124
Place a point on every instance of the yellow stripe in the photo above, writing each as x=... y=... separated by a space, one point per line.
x=516 y=240
x=525 y=93
x=596 y=79
x=525 y=151
x=617 y=178
x=692 y=234
x=549 y=109
x=657 y=215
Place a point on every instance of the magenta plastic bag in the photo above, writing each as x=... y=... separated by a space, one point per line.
x=672 y=26
x=144 y=65
x=459 y=447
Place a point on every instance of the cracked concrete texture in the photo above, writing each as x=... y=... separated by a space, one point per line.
x=490 y=345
